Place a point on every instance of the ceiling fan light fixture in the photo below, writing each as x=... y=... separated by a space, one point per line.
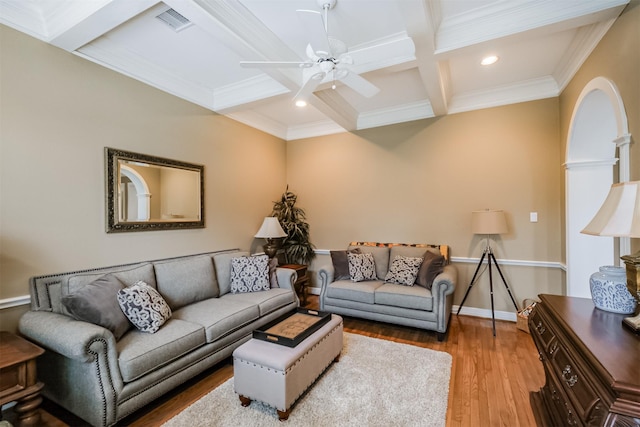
x=489 y=60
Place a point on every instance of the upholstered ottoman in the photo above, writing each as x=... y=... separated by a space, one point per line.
x=278 y=375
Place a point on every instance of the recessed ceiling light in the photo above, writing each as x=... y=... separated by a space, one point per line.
x=301 y=103
x=488 y=60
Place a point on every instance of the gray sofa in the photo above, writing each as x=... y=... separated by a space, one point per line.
x=101 y=379
x=426 y=307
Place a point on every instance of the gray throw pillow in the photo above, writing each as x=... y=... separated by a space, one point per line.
x=341 y=263
x=432 y=265
x=96 y=303
x=144 y=307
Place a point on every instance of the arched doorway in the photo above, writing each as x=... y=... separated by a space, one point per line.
x=140 y=197
x=598 y=128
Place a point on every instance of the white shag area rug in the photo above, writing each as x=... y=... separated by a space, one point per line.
x=375 y=383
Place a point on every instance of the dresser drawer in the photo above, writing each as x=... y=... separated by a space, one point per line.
x=563 y=413
x=573 y=381
x=539 y=328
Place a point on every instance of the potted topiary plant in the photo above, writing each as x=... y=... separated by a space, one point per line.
x=296 y=247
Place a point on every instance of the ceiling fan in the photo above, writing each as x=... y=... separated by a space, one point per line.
x=327 y=57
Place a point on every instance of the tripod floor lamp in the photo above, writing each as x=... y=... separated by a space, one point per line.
x=488 y=222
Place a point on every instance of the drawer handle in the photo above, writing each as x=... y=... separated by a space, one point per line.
x=571 y=380
x=540 y=327
x=553 y=348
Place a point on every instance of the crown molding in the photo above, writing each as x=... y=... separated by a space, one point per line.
x=456 y=32
x=246 y=91
x=310 y=130
x=260 y=122
x=586 y=39
x=530 y=90
x=397 y=114
x=109 y=55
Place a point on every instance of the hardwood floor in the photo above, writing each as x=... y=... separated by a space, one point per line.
x=491 y=378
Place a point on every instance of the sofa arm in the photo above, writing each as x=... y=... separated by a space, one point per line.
x=445 y=283
x=326 y=273
x=286 y=278
x=64 y=335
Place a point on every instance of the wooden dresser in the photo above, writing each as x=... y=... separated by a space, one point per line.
x=591 y=364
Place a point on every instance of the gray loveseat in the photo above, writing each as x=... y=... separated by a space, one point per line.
x=426 y=305
x=101 y=379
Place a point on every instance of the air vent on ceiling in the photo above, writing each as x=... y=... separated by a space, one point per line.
x=174 y=20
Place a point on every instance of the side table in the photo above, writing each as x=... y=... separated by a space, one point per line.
x=18 y=378
x=302 y=282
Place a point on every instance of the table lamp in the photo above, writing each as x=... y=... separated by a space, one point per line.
x=270 y=230
x=619 y=216
x=488 y=222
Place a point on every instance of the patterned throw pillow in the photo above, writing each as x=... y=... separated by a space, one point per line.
x=403 y=270
x=144 y=307
x=361 y=267
x=250 y=274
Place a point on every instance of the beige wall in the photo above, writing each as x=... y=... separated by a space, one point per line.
x=418 y=182
x=617 y=58
x=57 y=113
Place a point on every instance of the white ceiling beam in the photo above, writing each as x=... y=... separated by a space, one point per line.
x=333 y=105
x=249 y=37
x=532 y=17
x=421 y=17
x=101 y=21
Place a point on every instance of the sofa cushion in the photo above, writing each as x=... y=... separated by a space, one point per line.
x=96 y=303
x=267 y=301
x=182 y=281
x=431 y=266
x=413 y=297
x=341 y=263
x=140 y=353
x=222 y=263
x=219 y=316
x=380 y=257
x=144 y=307
x=403 y=270
x=361 y=267
x=348 y=290
x=250 y=274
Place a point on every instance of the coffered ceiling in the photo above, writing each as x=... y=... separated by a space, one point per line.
x=423 y=55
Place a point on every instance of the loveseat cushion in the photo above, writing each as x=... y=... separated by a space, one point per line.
x=140 y=353
x=341 y=263
x=432 y=265
x=182 y=281
x=222 y=264
x=219 y=316
x=348 y=290
x=380 y=257
x=361 y=267
x=413 y=297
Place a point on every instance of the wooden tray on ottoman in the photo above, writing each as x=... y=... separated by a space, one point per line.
x=292 y=328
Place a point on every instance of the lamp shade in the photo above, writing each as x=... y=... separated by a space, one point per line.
x=488 y=222
x=619 y=215
x=270 y=229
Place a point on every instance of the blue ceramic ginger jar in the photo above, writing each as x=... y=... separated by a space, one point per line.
x=609 y=290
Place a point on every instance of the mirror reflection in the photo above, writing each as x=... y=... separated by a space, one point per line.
x=151 y=193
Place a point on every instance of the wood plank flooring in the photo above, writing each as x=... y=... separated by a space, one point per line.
x=491 y=377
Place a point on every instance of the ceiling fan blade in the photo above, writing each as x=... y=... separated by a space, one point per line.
x=309 y=86
x=275 y=64
x=361 y=85
x=313 y=23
